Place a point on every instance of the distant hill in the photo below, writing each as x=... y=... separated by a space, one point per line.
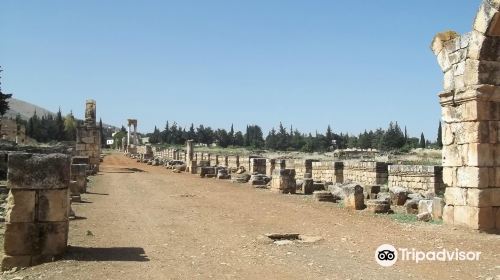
x=26 y=110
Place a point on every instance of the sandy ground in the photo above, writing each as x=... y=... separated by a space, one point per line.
x=145 y=222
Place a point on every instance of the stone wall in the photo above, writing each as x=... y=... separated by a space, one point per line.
x=417 y=178
x=366 y=173
x=328 y=171
x=301 y=166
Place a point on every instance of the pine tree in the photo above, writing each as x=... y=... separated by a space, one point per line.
x=422 y=141
x=231 y=135
x=60 y=135
x=70 y=127
x=4 y=103
x=101 y=131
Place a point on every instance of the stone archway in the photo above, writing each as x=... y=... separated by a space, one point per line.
x=471 y=120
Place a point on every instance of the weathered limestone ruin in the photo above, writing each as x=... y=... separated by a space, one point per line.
x=88 y=137
x=10 y=130
x=132 y=139
x=471 y=119
x=36 y=228
x=417 y=178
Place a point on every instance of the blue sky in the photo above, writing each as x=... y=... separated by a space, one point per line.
x=351 y=64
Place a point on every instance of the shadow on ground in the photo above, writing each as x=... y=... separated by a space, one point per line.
x=125 y=170
x=119 y=254
x=87 y=192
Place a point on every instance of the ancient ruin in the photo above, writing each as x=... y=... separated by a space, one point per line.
x=132 y=138
x=36 y=228
x=471 y=114
x=88 y=137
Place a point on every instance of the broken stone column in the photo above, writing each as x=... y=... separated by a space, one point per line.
x=36 y=228
x=308 y=186
x=190 y=157
x=258 y=165
x=283 y=181
x=88 y=137
x=471 y=119
x=270 y=165
x=354 y=197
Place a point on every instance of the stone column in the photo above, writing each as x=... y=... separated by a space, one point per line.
x=36 y=219
x=128 y=136
x=471 y=119
x=190 y=156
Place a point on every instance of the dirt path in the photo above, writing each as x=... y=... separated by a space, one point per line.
x=159 y=225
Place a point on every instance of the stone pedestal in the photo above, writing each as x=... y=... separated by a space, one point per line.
x=36 y=220
x=283 y=181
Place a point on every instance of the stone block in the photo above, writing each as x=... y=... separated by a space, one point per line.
x=80 y=160
x=10 y=262
x=425 y=206
x=456 y=196
x=307 y=186
x=437 y=208
x=53 y=238
x=472 y=177
x=323 y=196
x=496 y=213
x=474 y=217
x=20 y=239
x=480 y=197
x=38 y=171
x=484 y=17
x=449 y=214
x=377 y=206
x=354 y=198
x=53 y=205
x=20 y=206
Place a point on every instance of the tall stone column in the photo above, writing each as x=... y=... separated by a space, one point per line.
x=190 y=161
x=189 y=150
x=128 y=136
x=36 y=219
x=136 y=139
x=471 y=119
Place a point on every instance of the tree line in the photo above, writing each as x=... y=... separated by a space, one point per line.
x=283 y=139
x=50 y=128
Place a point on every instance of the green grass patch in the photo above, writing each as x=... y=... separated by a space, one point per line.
x=404 y=218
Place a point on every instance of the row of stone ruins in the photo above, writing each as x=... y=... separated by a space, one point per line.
x=42 y=182
x=372 y=185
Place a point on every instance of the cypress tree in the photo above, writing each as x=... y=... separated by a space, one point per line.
x=440 y=136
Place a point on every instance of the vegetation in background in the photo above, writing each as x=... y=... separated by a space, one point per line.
x=283 y=139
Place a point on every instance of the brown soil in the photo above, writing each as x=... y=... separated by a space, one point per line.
x=145 y=222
